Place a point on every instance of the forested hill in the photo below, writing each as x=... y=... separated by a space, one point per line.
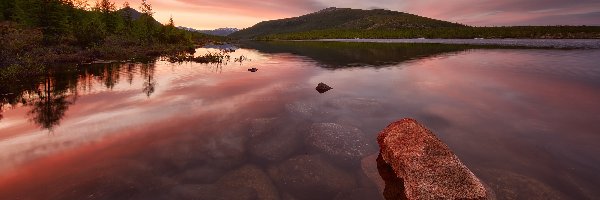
x=344 y=19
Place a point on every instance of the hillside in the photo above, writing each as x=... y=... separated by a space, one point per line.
x=135 y=15
x=342 y=19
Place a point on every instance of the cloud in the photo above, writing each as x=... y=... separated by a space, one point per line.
x=245 y=13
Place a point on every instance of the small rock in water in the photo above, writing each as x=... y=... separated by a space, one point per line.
x=253 y=70
x=322 y=88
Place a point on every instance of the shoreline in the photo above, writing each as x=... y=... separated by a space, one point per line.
x=532 y=43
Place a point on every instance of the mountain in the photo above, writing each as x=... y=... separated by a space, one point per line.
x=342 y=19
x=135 y=15
x=221 y=31
x=217 y=32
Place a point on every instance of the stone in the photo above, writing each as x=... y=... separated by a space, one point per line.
x=359 y=194
x=212 y=191
x=261 y=126
x=311 y=176
x=427 y=166
x=394 y=186
x=300 y=109
x=200 y=175
x=252 y=177
x=272 y=139
x=345 y=142
x=511 y=185
x=279 y=146
x=322 y=88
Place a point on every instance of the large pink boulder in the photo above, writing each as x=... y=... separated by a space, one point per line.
x=427 y=166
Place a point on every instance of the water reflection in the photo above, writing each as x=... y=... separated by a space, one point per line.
x=182 y=131
x=51 y=102
x=147 y=72
x=335 y=55
x=49 y=95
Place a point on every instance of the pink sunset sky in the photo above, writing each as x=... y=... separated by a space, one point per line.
x=211 y=14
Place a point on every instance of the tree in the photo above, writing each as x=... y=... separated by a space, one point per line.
x=171 y=22
x=6 y=9
x=147 y=8
x=127 y=17
x=147 y=21
x=53 y=19
x=107 y=10
x=80 y=4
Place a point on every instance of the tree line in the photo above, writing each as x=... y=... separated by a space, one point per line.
x=78 y=21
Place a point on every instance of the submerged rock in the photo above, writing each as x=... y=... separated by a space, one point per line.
x=345 y=142
x=511 y=185
x=310 y=176
x=272 y=139
x=212 y=191
x=322 y=88
x=300 y=109
x=427 y=166
x=252 y=177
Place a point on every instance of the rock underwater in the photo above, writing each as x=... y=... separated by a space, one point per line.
x=429 y=169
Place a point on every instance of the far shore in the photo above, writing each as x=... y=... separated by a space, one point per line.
x=533 y=43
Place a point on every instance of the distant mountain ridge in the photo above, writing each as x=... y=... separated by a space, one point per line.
x=217 y=32
x=343 y=19
x=135 y=15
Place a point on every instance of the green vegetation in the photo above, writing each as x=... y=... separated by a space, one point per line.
x=345 y=23
x=342 y=19
x=37 y=32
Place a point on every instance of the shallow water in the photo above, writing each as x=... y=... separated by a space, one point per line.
x=525 y=121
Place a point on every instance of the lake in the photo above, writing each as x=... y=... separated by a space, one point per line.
x=526 y=121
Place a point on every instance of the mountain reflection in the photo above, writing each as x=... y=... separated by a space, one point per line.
x=353 y=54
x=50 y=95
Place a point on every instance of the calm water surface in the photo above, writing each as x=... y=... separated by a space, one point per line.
x=526 y=121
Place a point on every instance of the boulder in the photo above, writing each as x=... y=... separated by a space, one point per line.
x=345 y=142
x=310 y=177
x=429 y=169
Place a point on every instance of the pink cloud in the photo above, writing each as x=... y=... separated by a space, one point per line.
x=209 y=14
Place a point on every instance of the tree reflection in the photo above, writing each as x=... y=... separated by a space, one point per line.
x=111 y=75
x=147 y=71
x=50 y=105
x=130 y=70
x=49 y=95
